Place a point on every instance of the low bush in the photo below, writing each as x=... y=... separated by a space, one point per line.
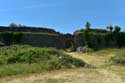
x=118 y=59
x=27 y=54
x=25 y=59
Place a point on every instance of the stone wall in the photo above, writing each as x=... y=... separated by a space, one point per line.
x=43 y=40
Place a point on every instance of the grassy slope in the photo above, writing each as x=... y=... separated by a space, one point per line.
x=104 y=73
x=17 y=60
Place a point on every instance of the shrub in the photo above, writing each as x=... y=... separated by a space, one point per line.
x=118 y=59
x=26 y=54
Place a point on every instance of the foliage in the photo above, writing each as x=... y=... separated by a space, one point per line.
x=27 y=54
x=22 y=28
x=87 y=26
x=94 y=38
x=11 y=38
x=25 y=59
x=23 y=69
x=110 y=28
x=87 y=34
x=12 y=25
x=118 y=59
x=100 y=38
x=117 y=29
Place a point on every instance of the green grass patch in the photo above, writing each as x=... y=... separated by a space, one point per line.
x=17 y=69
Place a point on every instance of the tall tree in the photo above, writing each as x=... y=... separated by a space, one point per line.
x=87 y=34
x=88 y=25
x=110 y=28
x=13 y=25
x=117 y=35
x=117 y=29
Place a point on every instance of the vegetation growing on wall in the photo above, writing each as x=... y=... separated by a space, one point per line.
x=11 y=38
x=22 y=28
x=100 y=38
x=93 y=38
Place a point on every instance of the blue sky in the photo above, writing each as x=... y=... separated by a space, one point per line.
x=63 y=15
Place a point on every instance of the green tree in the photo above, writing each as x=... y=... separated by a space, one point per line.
x=87 y=34
x=13 y=25
x=110 y=28
x=87 y=26
x=117 y=35
x=117 y=29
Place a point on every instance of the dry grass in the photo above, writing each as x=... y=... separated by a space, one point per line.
x=68 y=76
x=91 y=59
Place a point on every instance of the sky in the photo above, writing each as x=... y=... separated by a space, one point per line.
x=63 y=15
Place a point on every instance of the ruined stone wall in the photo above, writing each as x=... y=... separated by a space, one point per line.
x=43 y=40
